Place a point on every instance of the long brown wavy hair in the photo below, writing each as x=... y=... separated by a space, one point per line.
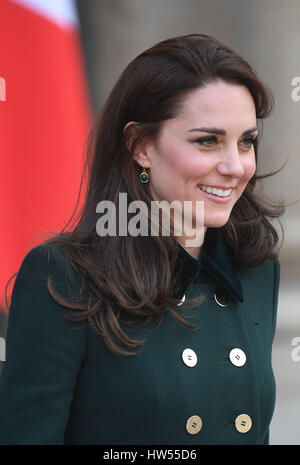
x=134 y=277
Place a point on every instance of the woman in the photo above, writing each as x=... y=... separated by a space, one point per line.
x=99 y=346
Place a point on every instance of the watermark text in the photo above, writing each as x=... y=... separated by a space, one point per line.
x=296 y=351
x=184 y=219
x=2 y=350
x=2 y=89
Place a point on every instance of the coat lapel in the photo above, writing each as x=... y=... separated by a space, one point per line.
x=215 y=259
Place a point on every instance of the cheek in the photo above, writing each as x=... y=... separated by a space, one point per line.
x=175 y=159
x=249 y=169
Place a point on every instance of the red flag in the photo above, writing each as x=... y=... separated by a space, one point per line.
x=45 y=115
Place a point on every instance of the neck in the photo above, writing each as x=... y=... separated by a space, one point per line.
x=194 y=251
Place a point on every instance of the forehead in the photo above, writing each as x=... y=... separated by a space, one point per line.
x=218 y=102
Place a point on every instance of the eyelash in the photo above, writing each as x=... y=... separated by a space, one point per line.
x=204 y=139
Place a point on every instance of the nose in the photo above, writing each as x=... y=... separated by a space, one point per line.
x=231 y=163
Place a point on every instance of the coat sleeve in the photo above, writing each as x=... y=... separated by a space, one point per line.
x=266 y=440
x=275 y=295
x=43 y=355
x=274 y=318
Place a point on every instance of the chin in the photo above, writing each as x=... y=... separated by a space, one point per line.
x=216 y=222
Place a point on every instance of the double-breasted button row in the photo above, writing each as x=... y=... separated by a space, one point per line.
x=243 y=423
x=221 y=298
x=236 y=356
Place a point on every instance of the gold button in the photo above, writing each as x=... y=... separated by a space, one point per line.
x=193 y=424
x=243 y=423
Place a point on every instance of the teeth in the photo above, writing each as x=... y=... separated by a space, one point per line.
x=215 y=191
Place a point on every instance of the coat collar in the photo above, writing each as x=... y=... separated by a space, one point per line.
x=215 y=259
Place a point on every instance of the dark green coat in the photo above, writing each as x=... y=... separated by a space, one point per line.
x=61 y=385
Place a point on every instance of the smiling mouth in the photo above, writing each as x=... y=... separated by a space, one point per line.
x=214 y=191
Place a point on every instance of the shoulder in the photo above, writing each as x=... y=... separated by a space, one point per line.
x=43 y=256
x=36 y=320
x=43 y=266
x=42 y=262
x=265 y=276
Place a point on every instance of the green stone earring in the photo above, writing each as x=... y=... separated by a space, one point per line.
x=144 y=176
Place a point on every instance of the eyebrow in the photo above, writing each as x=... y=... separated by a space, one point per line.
x=222 y=132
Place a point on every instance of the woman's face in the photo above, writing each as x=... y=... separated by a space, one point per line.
x=209 y=144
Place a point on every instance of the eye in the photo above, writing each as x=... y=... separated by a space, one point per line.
x=249 y=141
x=211 y=140
x=206 y=141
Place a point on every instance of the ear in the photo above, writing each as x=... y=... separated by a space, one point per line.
x=141 y=151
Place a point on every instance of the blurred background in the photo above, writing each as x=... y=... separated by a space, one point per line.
x=82 y=47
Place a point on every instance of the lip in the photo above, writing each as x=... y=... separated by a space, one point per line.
x=214 y=198
x=224 y=188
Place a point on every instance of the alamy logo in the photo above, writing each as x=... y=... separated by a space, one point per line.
x=296 y=351
x=295 y=94
x=173 y=215
x=2 y=350
x=2 y=90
